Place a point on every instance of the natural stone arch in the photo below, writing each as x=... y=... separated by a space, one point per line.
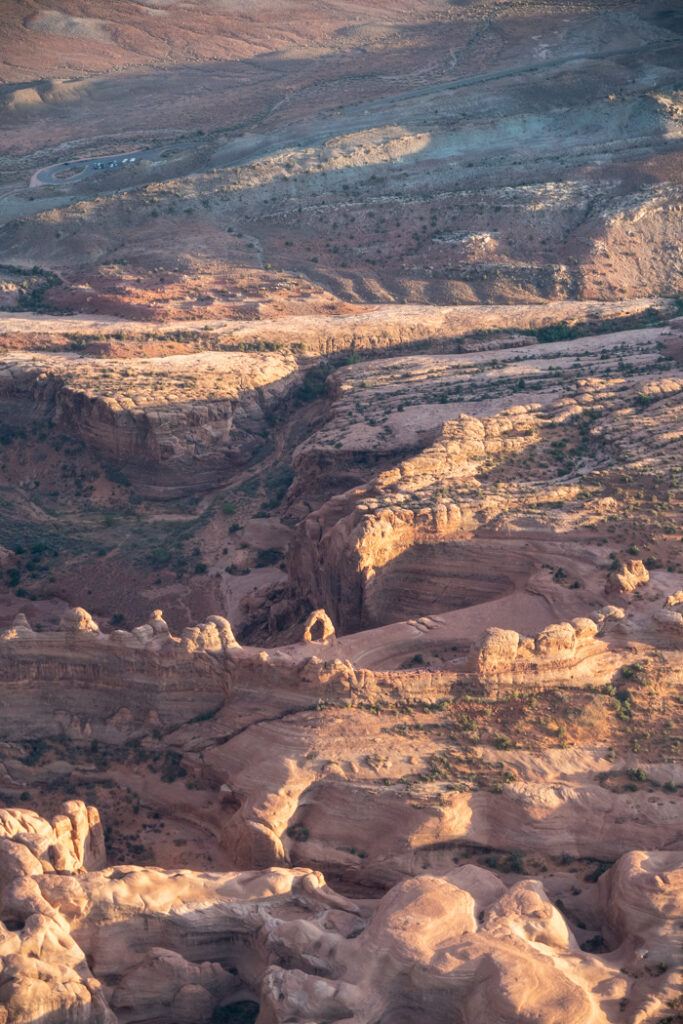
x=319 y=627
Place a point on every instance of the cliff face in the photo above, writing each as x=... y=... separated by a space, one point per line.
x=173 y=425
x=343 y=547
x=411 y=542
x=465 y=490
x=82 y=683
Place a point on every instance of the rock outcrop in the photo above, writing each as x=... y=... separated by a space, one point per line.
x=631 y=575
x=89 y=945
x=171 y=426
x=462 y=503
x=319 y=627
x=43 y=972
x=81 y=682
x=503 y=653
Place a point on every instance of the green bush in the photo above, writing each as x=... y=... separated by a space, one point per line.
x=299 y=833
x=267 y=557
x=172 y=768
x=244 y=1012
x=314 y=383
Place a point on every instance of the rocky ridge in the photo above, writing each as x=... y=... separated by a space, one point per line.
x=183 y=944
x=209 y=416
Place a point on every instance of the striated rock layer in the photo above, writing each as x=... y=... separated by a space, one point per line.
x=81 y=682
x=173 y=424
x=86 y=944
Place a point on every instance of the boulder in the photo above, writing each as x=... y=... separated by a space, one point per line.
x=497 y=650
x=584 y=628
x=158 y=623
x=556 y=642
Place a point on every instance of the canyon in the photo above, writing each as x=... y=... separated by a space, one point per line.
x=341 y=467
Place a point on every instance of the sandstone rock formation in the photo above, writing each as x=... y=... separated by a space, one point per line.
x=494 y=484
x=558 y=646
x=78 y=681
x=319 y=627
x=629 y=577
x=77 y=620
x=170 y=425
x=182 y=944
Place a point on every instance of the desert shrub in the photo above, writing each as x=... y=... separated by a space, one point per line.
x=299 y=833
x=244 y=1012
x=36 y=749
x=250 y=486
x=598 y=870
x=314 y=383
x=8 y=433
x=515 y=862
x=116 y=476
x=636 y=670
x=159 y=557
x=278 y=482
x=237 y=570
x=172 y=768
x=267 y=557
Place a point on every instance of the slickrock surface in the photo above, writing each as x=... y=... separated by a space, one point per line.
x=83 y=944
x=373 y=327
x=341 y=518
x=487 y=467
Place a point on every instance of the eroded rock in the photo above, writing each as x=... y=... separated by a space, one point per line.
x=629 y=577
x=319 y=627
x=306 y=953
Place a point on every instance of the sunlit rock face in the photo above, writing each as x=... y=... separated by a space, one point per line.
x=341 y=532
x=100 y=944
x=173 y=425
